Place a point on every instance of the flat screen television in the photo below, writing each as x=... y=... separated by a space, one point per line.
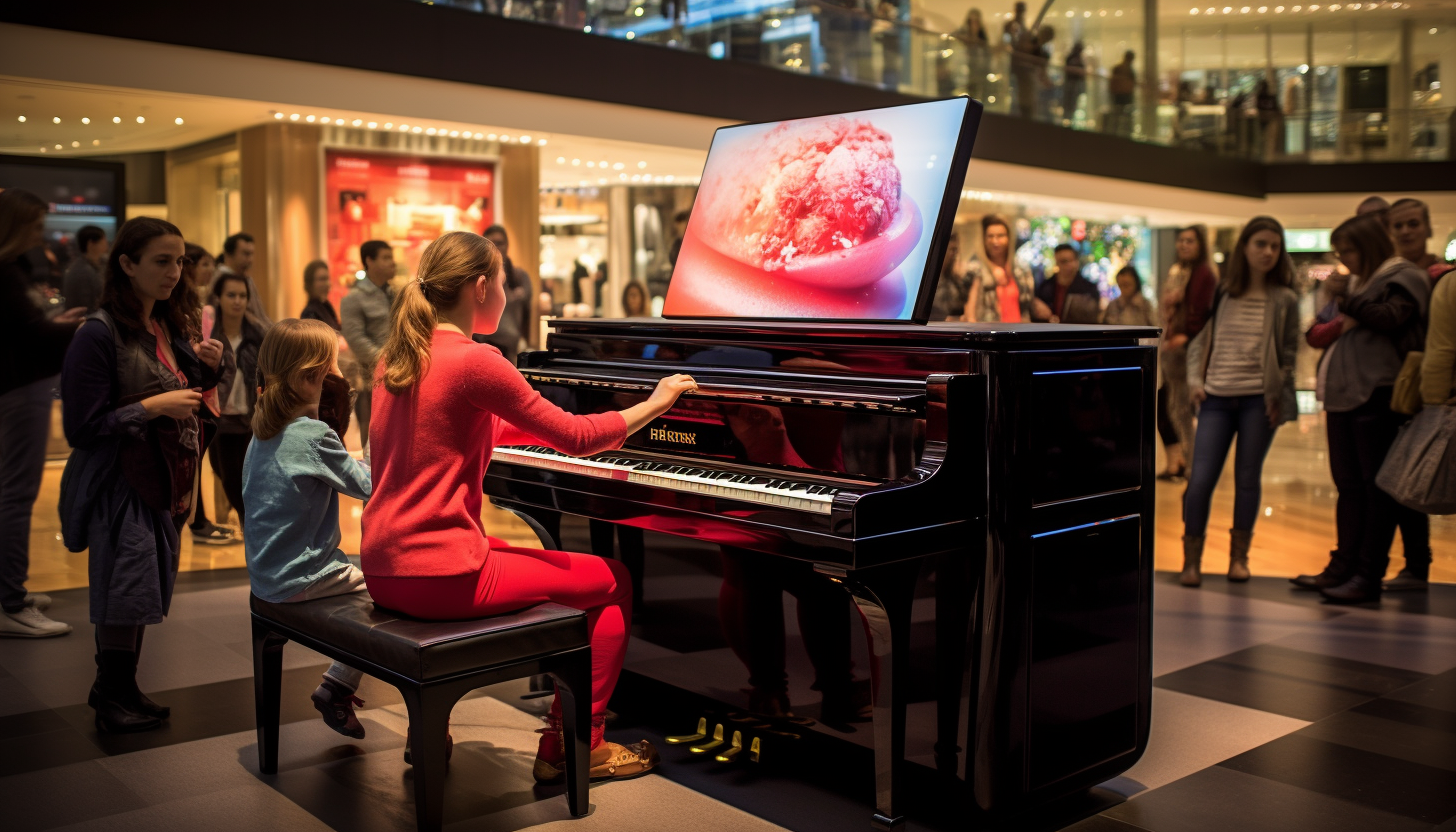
x=840 y=217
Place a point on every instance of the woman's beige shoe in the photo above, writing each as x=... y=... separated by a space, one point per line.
x=1192 y=561
x=1239 y=543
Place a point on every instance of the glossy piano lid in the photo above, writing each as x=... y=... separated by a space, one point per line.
x=841 y=217
x=942 y=332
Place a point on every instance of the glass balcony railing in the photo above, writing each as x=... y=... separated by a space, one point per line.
x=1081 y=89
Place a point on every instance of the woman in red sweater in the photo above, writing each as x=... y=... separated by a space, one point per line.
x=442 y=402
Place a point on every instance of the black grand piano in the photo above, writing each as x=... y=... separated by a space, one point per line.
x=981 y=492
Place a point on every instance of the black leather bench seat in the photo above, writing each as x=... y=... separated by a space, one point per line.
x=429 y=650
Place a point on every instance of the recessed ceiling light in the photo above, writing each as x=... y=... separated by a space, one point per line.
x=177 y=121
x=430 y=132
x=359 y=121
x=310 y=119
x=540 y=142
x=454 y=134
x=141 y=119
x=491 y=136
x=505 y=138
x=116 y=119
x=58 y=147
x=373 y=124
x=525 y=139
x=479 y=136
x=56 y=120
x=417 y=129
x=95 y=142
x=22 y=118
x=641 y=165
x=591 y=164
x=618 y=166
x=560 y=160
x=85 y=121
x=75 y=144
x=576 y=162
x=388 y=125
x=278 y=115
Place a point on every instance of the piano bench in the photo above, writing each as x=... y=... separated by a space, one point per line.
x=433 y=664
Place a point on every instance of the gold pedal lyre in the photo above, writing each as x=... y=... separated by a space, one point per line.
x=754 y=749
x=734 y=750
x=701 y=734
x=711 y=744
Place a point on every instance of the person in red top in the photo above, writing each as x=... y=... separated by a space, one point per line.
x=441 y=403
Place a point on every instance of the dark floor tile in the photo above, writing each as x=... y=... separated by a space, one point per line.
x=1218 y=799
x=45 y=750
x=1438 y=692
x=1448 y=826
x=63 y=796
x=1103 y=823
x=1383 y=736
x=1293 y=683
x=1440 y=600
x=1410 y=713
x=203 y=711
x=1379 y=781
x=32 y=722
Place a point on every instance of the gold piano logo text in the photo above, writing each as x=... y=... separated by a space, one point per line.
x=664 y=435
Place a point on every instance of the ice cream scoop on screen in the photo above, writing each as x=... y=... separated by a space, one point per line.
x=833 y=217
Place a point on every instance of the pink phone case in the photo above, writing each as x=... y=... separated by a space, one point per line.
x=207 y=321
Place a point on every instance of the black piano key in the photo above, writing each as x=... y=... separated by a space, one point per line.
x=758 y=480
x=799 y=486
x=816 y=489
x=695 y=472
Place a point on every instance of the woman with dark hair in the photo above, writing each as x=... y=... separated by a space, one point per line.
x=197 y=272
x=1187 y=299
x=634 y=301
x=237 y=384
x=1001 y=288
x=1130 y=307
x=1241 y=379
x=317 y=283
x=31 y=349
x=1384 y=318
x=131 y=389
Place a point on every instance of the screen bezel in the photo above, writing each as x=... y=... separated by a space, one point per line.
x=940 y=233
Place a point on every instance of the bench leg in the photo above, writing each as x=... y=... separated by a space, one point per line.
x=429 y=721
x=267 y=684
x=573 y=680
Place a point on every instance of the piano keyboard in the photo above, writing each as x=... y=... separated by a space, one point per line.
x=801 y=496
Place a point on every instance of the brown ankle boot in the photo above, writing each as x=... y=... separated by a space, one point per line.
x=1192 y=561
x=609 y=760
x=1239 y=542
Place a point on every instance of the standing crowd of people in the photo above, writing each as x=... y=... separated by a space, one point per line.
x=1226 y=367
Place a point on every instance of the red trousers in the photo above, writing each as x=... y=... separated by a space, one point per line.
x=513 y=579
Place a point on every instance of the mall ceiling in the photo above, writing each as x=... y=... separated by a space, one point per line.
x=64 y=119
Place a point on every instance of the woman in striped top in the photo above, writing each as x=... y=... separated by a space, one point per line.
x=1241 y=380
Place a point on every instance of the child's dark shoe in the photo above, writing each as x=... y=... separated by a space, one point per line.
x=337 y=704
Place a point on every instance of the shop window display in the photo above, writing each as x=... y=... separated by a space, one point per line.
x=1105 y=247
x=407 y=201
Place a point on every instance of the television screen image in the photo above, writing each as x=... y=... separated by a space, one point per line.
x=840 y=217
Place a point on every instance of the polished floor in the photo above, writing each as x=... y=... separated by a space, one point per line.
x=1270 y=712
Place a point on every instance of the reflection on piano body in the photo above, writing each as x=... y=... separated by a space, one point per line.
x=1004 y=470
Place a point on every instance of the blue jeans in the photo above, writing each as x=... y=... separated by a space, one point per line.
x=1220 y=419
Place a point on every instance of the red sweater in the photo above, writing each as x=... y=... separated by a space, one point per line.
x=429 y=447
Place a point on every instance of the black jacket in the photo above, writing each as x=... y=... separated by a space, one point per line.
x=1086 y=310
x=31 y=347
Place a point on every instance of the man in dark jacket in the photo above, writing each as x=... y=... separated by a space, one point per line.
x=1072 y=298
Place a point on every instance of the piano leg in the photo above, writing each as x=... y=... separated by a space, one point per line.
x=954 y=593
x=884 y=595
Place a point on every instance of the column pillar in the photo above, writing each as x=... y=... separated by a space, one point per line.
x=1151 y=81
x=282 y=187
x=520 y=212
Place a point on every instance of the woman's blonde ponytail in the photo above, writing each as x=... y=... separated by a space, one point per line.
x=448 y=265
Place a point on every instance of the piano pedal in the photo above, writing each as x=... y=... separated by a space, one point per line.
x=711 y=744
x=701 y=734
x=735 y=748
x=755 y=748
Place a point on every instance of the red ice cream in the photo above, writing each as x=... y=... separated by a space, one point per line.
x=806 y=190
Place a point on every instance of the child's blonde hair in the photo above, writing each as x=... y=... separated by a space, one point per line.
x=291 y=350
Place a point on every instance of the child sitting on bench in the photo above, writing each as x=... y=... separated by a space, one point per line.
x=294 y=471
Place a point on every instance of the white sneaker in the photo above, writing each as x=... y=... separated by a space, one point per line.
x=30 y=623
x=39 y=600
